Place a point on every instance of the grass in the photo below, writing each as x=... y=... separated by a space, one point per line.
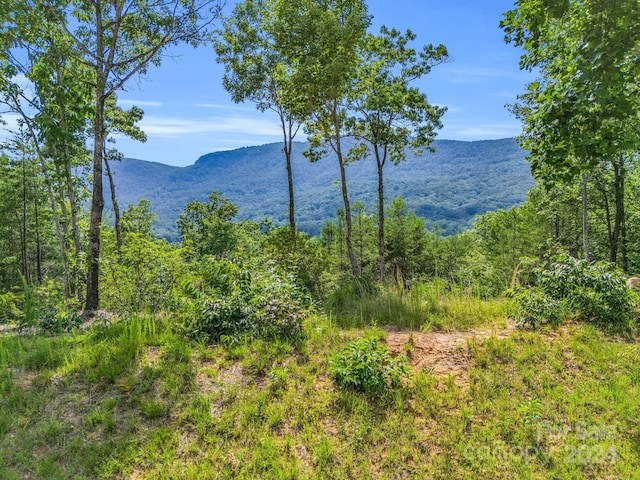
x=425 y=306
x=134 y=400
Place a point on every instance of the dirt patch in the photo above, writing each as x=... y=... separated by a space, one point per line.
x=7 y=328
x=441 y=353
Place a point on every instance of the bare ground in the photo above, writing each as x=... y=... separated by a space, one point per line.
x=441 y=353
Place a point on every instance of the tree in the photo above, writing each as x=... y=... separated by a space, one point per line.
x=206 y=228
x=582 y=111
x=406 y=238
x=117 y=40
x=321 y=42
x=139 y=219
x=507 y=238
x=390 y=115
x=255 y=70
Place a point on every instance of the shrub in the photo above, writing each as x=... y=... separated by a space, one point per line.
x=571 y=287
x=365 y=366
x=10 y=307
x=250 y=303
x=59 y=322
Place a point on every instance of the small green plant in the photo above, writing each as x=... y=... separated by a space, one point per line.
x=153 y=409
x=531 y=411
x=366 y=366
x=31 y=304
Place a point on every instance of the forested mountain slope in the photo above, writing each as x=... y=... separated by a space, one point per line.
x=448 y=188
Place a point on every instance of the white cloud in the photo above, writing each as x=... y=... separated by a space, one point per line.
x=168 y=127
x=504 y=94
x=465 y=75
x=450 y=108
x=226 y=107
x=138 y=103
x=9 y=126
x=483 y=132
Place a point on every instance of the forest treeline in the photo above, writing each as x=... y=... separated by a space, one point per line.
x=317 y=66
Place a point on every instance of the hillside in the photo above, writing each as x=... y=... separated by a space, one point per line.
x=448 y=188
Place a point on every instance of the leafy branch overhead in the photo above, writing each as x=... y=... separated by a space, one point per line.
x=583 y=108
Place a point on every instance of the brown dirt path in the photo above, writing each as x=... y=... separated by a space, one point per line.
x=441 y=353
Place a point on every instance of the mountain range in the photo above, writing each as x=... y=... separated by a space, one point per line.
x=448 y=187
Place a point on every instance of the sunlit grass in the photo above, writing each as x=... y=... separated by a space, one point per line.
x=427 y=306
x=136 y=400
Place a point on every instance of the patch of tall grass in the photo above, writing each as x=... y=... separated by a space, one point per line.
x=434 y=305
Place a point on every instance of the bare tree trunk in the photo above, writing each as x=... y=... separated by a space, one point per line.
x=355 y=268
x=619 y=220
x=36 y=209
x=380 y=163
x=337 y=147
x=67 y=174
x=97 y=204
x=289 y=133
x=585 y=219
x=23 y=224
x=116 y=209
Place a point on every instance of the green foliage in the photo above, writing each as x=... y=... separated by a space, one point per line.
x=139 y=219
x=531 y=411
x=508 y=239
x=31 y=305
x=243 y=303
x=10 y=307
x=405 y=239
x=581 y=109
x=59 y=322
x=436 y=305
x=144 y=277
x=206 y=228
x=365 y=366
x=307 y=260
x=571 y=287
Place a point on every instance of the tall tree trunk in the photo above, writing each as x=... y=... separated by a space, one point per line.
x=585 y=219
x=23 y=224
x=77 y=241
x=97 y=203
x=116 y=208
x=64 y=214
x=292 y=217
x=619 y=220
x=36 y=208
x=380 y=163
x=355 y=268
x=289 y=133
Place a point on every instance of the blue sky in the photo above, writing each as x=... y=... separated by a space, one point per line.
x=189 y=114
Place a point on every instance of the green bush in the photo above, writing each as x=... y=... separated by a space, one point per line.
x=10 y=307
x=571 y=287
x=59 y=322
x=365 y=366
x=244 y=303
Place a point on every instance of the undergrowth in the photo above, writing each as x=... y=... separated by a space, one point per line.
x=134 y=399
x=435 y=305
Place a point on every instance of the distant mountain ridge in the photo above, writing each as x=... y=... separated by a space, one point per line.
x=448 y=188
